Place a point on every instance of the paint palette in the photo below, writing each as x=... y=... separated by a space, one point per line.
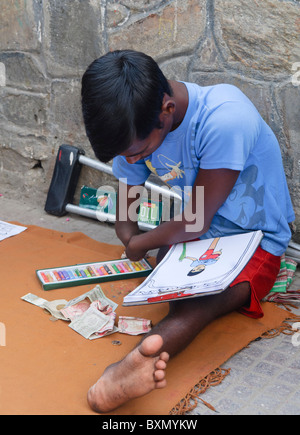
x=90 y=273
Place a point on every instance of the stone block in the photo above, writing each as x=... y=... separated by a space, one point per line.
x=258 y=92
x=72 y=35
x=28 y=151
x=24 y=109
x=288 y=98
x=24 y=163
x=172 y=29
x=116 y=14
x=66 y=115
x=12 y=161
x=141 y=5
x=261 y=38
x=176 y=68
x=23 y=71
x=207 y=56
x=20 y=25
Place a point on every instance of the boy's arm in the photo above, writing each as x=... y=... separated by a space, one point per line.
x=126 y=226
x=217 y=184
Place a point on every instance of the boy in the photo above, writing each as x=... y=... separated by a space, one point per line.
x=187 y=135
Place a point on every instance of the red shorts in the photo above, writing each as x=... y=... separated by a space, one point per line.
x=261 y=273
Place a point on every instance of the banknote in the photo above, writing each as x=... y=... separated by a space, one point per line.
x=94 y=323
x=96 y=297
x=108 y=328
x=97 y=335
x=75 y=310
x=93 y=295
x=133 y=325
x=102 y=306
x=91 y=321
x=33 y=299
x=53 y=307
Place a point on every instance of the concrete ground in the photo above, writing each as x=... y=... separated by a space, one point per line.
x=264 y=377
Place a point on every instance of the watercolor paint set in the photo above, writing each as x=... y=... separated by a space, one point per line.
x=90 y=273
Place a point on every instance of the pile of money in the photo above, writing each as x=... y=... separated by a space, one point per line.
x=92 y=315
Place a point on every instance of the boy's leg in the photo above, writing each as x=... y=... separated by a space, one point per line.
x=187 y=317
x=143 y=369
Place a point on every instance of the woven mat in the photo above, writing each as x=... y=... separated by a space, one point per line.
x=47 y=368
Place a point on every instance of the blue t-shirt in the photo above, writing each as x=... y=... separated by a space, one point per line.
x=223 y=129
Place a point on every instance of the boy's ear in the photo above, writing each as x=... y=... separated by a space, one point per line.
x=168 y=105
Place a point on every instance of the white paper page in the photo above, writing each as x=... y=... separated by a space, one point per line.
x=172 y=275
x=9 y=230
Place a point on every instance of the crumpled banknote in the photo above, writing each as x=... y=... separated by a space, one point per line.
x=133 y=325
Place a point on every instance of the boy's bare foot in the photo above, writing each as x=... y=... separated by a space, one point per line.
x=136 y=375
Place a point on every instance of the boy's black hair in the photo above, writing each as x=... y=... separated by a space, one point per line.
x=122 y=94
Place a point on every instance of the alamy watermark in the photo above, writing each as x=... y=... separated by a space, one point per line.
x=129 y=200
x=2 y=74
x=296 y=75
x=2 y=334
x=296 y=336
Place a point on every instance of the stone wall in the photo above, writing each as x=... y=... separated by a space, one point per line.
x=45 y=46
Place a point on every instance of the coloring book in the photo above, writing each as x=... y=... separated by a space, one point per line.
x=196 y=268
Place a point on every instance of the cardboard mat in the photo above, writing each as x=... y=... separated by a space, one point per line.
x=47 y=368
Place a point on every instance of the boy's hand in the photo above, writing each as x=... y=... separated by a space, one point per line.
x=134 y=251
